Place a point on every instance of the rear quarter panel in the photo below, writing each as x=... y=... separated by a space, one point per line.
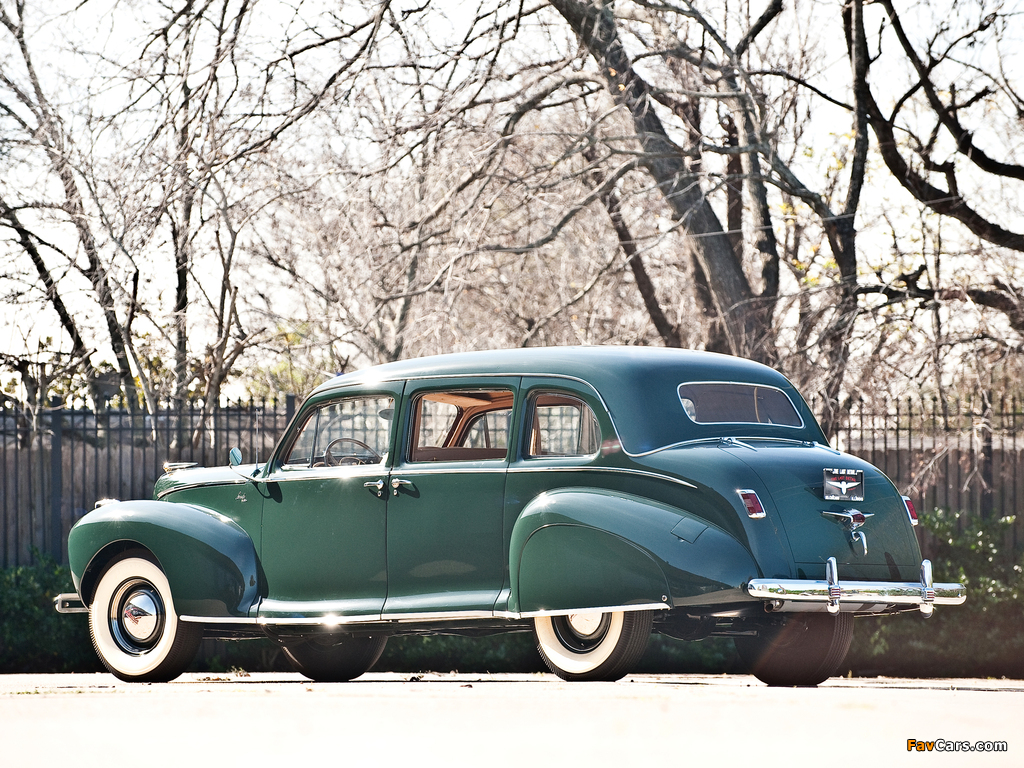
x=590 y=547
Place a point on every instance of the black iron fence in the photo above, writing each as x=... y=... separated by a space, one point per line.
x=958 y=454
x=965 y=455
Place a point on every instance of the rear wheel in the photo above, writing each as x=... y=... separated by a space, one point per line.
x=806 y=649
x=332 y=659
x=133 y=625
x=593 y=646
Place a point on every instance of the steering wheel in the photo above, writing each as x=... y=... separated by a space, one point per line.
x=350 y=458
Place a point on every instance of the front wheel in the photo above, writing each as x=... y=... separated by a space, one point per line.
x=334 y=660
x=806 y=649
x=133 y=625
x=593 y=646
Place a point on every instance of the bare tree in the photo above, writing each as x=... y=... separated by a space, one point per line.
x=26 y=107
x=329 y=189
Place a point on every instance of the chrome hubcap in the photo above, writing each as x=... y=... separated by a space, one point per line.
x=140 y=616
x=581 y=632
x=136 y=616
x=585 y=624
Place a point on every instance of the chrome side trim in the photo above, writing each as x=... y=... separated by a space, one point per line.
x=325 y=473
x=218 y=619
x=867 y=596
x=431 y=471
x=616 y=470
x=322 y=621
x=415 y=469
x=69 y=602
x=437 y=616
x=403 y=618
x=190 y=486
x=758 y=438
x=604 y=609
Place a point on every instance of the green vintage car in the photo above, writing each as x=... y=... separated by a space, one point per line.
x=590 y=495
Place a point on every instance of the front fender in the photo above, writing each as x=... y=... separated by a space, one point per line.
x=209 y=560
x=589 y=547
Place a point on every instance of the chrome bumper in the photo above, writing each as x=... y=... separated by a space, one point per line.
x=69 y=602
x=855 y=596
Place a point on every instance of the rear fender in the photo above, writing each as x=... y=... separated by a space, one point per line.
x=209 y=560
x=590 y=548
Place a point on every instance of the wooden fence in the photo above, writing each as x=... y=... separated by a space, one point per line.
x=57 y=463
x=960 y=455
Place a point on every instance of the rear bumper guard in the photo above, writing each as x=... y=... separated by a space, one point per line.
x=834 y=596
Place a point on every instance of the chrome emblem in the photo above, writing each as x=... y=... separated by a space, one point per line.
x=241 y=497
x=843 y=485
x=133 y=614
x=851 y=520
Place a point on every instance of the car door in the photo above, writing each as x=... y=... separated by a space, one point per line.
x=444 y=535
x=324 y=515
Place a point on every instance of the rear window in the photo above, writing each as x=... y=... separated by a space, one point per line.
x=729 y=403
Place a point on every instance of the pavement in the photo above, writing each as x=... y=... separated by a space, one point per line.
x=498 y=720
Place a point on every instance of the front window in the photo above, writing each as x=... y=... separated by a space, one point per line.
x=350 y=431
x=730 y=403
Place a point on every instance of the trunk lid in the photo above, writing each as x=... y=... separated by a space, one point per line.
x=819 y=528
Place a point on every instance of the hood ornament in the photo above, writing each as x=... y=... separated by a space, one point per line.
x=851 y=520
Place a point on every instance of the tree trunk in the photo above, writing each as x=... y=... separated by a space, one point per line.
x=728 y=294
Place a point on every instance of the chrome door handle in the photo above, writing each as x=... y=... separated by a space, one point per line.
x=377 y=485
x=397 y=483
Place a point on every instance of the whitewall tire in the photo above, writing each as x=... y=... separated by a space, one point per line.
x=134 y=627
x=593 y=646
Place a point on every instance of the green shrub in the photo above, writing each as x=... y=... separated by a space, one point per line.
x=666 y=655
x=33 y=636
x=982 y=637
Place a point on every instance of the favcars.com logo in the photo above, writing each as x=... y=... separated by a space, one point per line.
x=944 y=745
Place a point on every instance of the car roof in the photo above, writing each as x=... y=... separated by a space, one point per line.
x=638 y=384
x=595 y=364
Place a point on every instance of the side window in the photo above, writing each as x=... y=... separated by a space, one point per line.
x=351 y=431
x=562 y=425
x=461 y=425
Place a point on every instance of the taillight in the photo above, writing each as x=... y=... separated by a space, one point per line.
x=910 y=510
x=753 y=504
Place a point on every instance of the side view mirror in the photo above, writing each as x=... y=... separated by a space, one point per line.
x=234 y=457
